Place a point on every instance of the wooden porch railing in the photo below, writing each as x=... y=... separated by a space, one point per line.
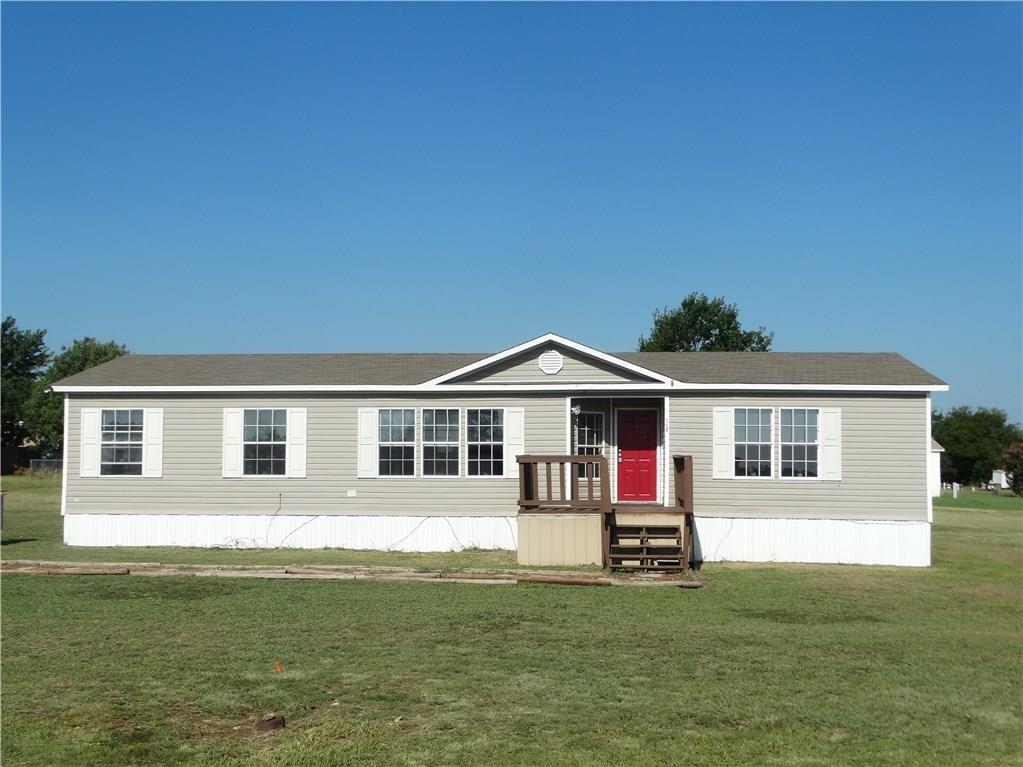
x=580 y=484
x=684 y=500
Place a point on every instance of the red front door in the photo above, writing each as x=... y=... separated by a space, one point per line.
x=637 y=455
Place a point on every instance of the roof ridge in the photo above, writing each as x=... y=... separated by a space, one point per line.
x=294 y=354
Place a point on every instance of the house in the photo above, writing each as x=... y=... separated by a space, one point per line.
x=792 y=457
x=934 y=468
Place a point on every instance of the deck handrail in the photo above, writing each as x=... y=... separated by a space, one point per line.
x=561 y=459
x=585 y=491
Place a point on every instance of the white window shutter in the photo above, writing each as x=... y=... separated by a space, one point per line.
x=296 y=442
x=514 y=439
x=724 y=450
x=89 y=456
x=831 y=443
x=232 y=466
x=152 y=442
x=368 y=463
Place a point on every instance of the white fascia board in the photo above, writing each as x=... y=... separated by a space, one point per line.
x=407 y=388
x=547 y=338
x=811 y=387
x=427 y=388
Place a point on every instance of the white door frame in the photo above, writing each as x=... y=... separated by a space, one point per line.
x=658 y=484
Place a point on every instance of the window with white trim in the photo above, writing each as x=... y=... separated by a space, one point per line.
x=589 y=438
x=753 y=442
x=484 y=442
x=440 y=442
x=799 y=442
x=121 y=443
x=264 y=441
x=397 y=442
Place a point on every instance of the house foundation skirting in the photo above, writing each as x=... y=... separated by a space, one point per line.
x=288 y=531
x=717 y=539
x=824 y=541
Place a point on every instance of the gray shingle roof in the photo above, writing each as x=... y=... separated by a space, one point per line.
x=269 y=369
x=883 y=369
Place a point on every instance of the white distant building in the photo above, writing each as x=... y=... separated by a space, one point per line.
x=1000 y=479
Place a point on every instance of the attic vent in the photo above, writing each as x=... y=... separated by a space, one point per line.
x=551 y=362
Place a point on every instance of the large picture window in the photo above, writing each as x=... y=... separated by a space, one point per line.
x=121 y=443
x=484 y=441
x=799 y=442
x=753 y=442
x=440 y=442
x=265 y=442
x=397 y=442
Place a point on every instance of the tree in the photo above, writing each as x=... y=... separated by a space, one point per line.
x=974 y=441
x=47 y=407
x=702 y=324
x=1012 y=462
x=23 y=354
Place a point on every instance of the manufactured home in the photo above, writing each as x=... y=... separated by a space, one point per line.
x=565 y=453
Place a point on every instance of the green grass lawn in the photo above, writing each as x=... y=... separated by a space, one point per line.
x=979 y=499
x=782 y=665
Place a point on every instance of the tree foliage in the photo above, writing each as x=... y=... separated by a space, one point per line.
x=702 y=324
x=30 y=414
x=47 y=408
x=974 y=441
x=1012 y=462
x=23 y=355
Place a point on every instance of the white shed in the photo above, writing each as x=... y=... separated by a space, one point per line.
x=1000 y=479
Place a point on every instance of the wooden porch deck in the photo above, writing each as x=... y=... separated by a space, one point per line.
x=579 y=484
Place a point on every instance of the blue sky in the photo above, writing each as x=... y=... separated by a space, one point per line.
x=341 y=177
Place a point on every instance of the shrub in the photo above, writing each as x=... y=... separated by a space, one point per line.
x=1012 y=462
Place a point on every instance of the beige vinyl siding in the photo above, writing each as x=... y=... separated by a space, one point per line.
x=192 y=458
x=884 y=454
x=884 y=460
x=525 y=368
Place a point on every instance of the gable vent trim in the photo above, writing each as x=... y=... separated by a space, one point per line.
x=551 y=362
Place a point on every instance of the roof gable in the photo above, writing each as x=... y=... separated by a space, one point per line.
x=549 y=361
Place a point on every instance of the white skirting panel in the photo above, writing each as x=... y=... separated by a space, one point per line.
x=298 y=532
x=825 y=541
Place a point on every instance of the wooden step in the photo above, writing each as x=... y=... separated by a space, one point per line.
x=649 y=551
x=659 y=531
x=646 y=547
x=647 y=568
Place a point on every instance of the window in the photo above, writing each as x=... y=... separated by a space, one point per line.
x=799 y=441
x=440 y=443
x=753 y=442
x=121 y=443
x=484 y=440
x=264 y=442
x=397 y=442
x=589 y=438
